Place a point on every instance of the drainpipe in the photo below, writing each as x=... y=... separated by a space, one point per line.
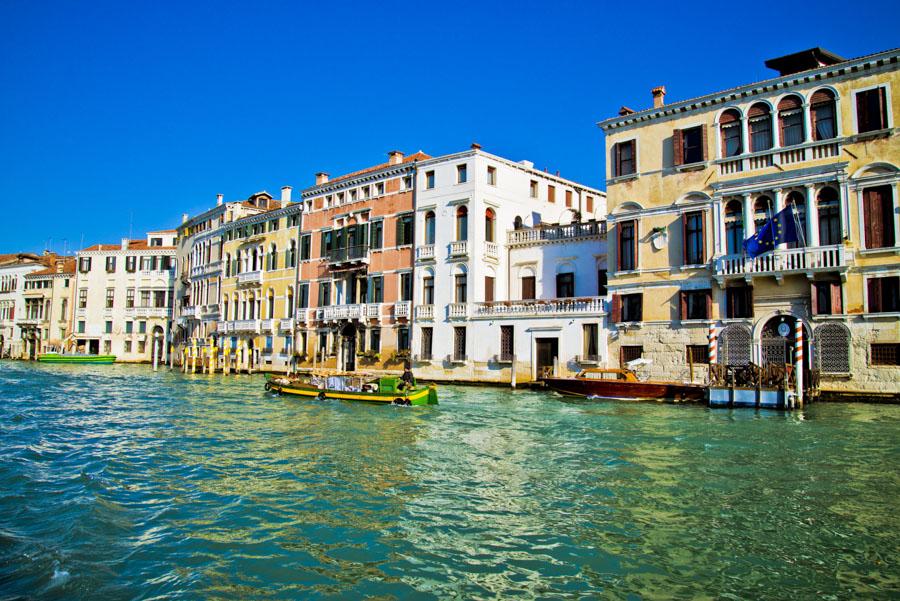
x=412 y=296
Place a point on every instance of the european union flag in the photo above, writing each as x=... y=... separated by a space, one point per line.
x=777 y=230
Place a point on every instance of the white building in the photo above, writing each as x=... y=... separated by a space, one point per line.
x=510 y=267
x=46 y=321
x=13 y=269
x=123 y=297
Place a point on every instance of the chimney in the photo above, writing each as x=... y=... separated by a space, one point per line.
x=659 y=96
x=59 y=266
x=321 y=178
x=184 y=217
x=625 y=111
x=285 y=195
x=476 y=146
x=395 y=157
x=219 y=198
x=125 y=243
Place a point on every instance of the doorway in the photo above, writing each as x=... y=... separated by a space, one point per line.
x=546 y=352
x=159 y=342
x=348 y=347
x=93 y=347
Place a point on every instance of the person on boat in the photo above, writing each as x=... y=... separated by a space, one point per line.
x=408 y=379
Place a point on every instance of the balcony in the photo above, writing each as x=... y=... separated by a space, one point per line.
x=266 y=325
x=249 y=278
x=348 y=312
x=207 y=311
x=458 y=310
x=586 y=306
x=424 y=312
x=301 y=315
x=208 y=269
x=425 y=253
x=349 y=255
x=460 y=248
x=783 y=261
x=148 y=311
x=491 y=250
x=286 y=325
x=810 y=151
x=556 y=233
x=401 y=309
x=243 y=325
x=28 y=322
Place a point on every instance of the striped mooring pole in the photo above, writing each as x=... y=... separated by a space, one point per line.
x=798 y=359
x=713 y=345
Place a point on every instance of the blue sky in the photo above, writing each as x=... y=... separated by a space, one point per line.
x=128 y=114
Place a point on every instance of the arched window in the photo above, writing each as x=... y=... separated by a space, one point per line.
x=760 y=127
x=790 y=120
x=270 y=305
x=832 y=348
x=734 y=227
x=762 y=210
x=829 y=208
x=517 y=223
x=273 y=258
x=730 y=128
x=429 y=227
x=289 y=303
x=460 y=285
x=489 y=225
x=462 y=223
x=291 y=258
x=735 y=345
x=822 y=115
x=228 y=265
x=428 y=287
x=797 y=203
x=255 y=265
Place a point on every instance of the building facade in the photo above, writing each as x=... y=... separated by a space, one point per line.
x=13 y=269
x=46 y=321
x=689 y=181
x=123 y=298
x=510 y=270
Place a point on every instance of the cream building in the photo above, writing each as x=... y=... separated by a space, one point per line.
x=13 y=269
x=123 y=298
x=46 y=321
x=689 y=181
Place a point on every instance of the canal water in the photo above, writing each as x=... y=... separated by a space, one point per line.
x=120 y=483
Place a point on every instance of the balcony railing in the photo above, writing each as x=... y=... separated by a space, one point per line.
x=424 y=311
x=346 y=312
x=425 y=253
x=778 y=262
x=491 y=250
x=266 y=325
x=28 y=322
x=460 y=248
x=250 y=277
x=148 y=311
x=591 y=305
x=457 y=310
x=301 y=315
x=209 y=310
x=286 y=325
x=401 y=309
x=348 y=254
x=547 y=234
x=810 y=151
x=202 y=270
x=244 y=325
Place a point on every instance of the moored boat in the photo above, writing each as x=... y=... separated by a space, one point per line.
x=355 y=387
x=623 y=384
x=76 y=358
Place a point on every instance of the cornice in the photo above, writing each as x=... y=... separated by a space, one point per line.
x=349 y=182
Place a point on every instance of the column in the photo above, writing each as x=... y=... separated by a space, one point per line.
x=749 y=226
x=812 y=217
x=807 y=123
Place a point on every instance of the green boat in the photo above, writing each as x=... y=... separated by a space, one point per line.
x=355 y=387
x=76 y=358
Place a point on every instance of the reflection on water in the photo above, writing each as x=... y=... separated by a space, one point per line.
x=116 y=482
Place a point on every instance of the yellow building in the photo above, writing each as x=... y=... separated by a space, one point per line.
x=689 y=181
x=259 y=275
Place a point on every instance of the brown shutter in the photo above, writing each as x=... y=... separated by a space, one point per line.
x=836 y=305
x=758 y=110
x=703 y=144
x=874 y=285
x=488 y=289
x=617 y=151
x=814 y=298
x=821 y=96
x=709 y=303
x=682 y=297
x=616 y=308
x=888 y=235
x=677 y=147
x=789 y=102
x=862 y=112
x=872 y=216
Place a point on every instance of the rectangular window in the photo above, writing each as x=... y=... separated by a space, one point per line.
x=159 y=298
x=632 y=307
x=694 y=243
x=129 y=298
x=488 y=289
x=324 y=294
x=627 y=246
x=81 y=327
x=376 y=289
x=405 y=229
x=492 y=176
x=459 y=343
x=145 y=298
x=82 y=298
x=327 y=242
x=427 y=343
x=406 y=286
x=884 y=294
x=146 y=263
x=698 y=354
x=731 y=138
x=601 y=282
x=696 y=304
x=761 y=133
x=379 y=188
x=131 y=264
x=461 y=174
x=460 y=288
x=110 y=297
x=629 y=353
x=429 y=180
x=428 y=290
x=129 y=327
x=591 y=342
x=403 y=338
x=303 y=295
x=533 y=189
x=305 y=246
x=871 y=110
x=689 y=145
x=64 y=308
x=107 y=327
x=142 y=327
x=739 y=302
x=825 y=298
x=551 y=193
x=878 y=217
x=110 y=264
x=142 y=346
x=507 y=343
x=376 y=234
x=624 y=155
x=107 y=347
x=127 y=346
x=375 y=340
x=565 y=285
x=589 y=205
x=528 y=287
x=885 y=354
x=84 y=264
x=568 y=198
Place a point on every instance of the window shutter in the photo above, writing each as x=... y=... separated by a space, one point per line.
x=882 y=108
x=709 y=303
x=862 y=112
x=814 y=298
x=488 y=289
x=616 y=308
x=399 y=233
x=836 y=305
x=634 y=165
x=874 y=285
x=677 y=147
x=683 y=302
x=617 y=151
x=703 y=143
x=872 y=209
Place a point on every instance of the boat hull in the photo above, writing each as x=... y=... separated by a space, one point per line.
x=425 y=395
x=632 y=391
x=91 y=359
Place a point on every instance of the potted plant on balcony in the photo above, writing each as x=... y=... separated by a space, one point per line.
x=368 y=357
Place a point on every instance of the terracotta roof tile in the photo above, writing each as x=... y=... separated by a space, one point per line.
x=68 y=268
x=132 y=245
x=418 y=156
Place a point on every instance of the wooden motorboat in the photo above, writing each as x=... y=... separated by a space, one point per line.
x=609 y=383
x=355 y=387
x=76 y=358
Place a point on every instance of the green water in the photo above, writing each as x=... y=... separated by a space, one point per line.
x=118 y=483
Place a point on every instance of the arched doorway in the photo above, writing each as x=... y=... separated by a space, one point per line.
x=776 y=342
x=158 y=342
x=348 y=347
